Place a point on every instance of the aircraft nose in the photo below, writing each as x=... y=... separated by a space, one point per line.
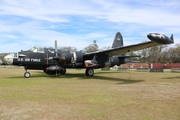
x=9 y=58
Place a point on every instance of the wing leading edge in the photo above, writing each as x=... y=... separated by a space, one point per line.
x=156 y=39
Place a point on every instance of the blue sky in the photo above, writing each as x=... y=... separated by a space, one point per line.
x=77 y=23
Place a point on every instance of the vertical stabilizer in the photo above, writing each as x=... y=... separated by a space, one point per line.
x=118 y=40
x=172 y=38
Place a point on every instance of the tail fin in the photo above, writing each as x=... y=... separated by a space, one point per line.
x=172 y=38
x=118 y=40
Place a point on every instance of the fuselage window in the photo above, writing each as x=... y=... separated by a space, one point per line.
x=15 y=55
x=40 y=50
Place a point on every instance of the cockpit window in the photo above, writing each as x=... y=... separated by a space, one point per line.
x=37 y=49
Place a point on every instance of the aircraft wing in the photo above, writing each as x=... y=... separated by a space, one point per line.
x=155 y=40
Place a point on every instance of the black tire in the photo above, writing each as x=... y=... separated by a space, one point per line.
x=27 y=74
x=89 y=72
x=63 y=71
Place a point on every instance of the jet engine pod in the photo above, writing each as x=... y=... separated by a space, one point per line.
x=104 y=63
x=52 y=70
x=91 y=63
x=96 y=64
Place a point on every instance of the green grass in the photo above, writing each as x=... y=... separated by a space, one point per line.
x=107 y=95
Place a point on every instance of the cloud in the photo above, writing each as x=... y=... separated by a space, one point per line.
x=77 y=23
x=102 y=10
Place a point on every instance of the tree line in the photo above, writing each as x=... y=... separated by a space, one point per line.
x=160 y=54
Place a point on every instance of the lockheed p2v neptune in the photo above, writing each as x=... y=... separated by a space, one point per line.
x=53 y=61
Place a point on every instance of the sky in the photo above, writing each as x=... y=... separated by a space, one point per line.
x=77 y=23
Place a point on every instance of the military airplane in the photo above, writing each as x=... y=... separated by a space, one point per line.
x=54 y=61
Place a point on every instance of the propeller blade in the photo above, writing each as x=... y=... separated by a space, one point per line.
x=56 y=48
x=56 y=57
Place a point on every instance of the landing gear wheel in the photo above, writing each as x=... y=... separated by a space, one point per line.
x=89 y=72
x=27 y=74
x=63 y=71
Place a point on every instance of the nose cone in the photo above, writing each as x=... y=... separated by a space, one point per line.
x=151 y=36
x=9 y=58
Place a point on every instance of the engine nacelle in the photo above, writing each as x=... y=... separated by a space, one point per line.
x=52 y=70
x=68 y=57
x=115 y=61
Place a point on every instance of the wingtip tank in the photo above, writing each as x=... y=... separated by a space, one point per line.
x=160 y=38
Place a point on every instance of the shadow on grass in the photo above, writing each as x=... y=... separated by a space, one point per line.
x=175 y=77
x=82 y=76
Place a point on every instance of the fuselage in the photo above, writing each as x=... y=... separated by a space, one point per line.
x=45 y=59
x=40 y=58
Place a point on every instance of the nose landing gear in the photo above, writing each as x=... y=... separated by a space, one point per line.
x=26 y=74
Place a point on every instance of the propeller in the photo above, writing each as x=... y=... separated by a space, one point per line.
x=56 y=57
x=56 y=50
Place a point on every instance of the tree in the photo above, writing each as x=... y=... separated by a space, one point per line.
x=144 y=55
x=69 y=48
x=154 y=54
x=105 y=48
x=92 y=47
x=174 y=53
x=2 y=55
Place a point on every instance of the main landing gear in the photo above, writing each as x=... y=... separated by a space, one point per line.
x=89 y=72
x=63 y=72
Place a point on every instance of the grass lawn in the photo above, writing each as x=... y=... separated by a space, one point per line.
x=108 y=95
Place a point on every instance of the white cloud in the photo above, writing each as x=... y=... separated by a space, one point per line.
x=77 y=23
x=112 y=11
